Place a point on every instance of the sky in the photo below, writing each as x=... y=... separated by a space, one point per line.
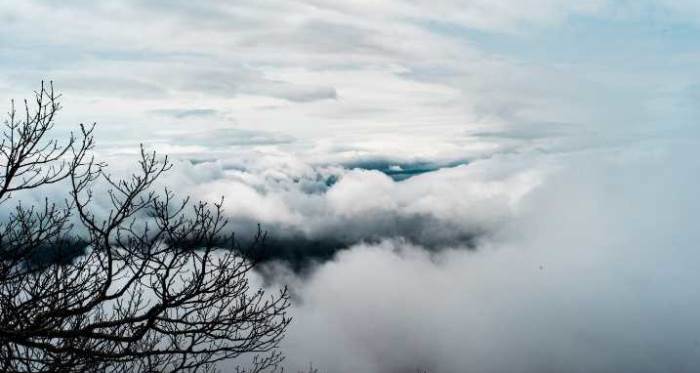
x=450 y=186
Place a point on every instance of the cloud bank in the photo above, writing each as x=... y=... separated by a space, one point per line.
x=594 y=273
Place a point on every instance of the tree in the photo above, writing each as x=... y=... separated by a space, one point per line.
x=152 y=285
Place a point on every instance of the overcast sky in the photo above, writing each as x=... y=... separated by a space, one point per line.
x=355 y=70
x=472 y=186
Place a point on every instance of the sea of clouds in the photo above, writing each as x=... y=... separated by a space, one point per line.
x=527 y=260
x=446 y=188
x=512 y=261
x=589 y=265
x=542 y=253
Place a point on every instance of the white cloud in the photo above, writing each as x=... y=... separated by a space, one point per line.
x=595 y=273
x=303 y=68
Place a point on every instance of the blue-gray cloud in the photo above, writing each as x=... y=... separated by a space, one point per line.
x=186 y=113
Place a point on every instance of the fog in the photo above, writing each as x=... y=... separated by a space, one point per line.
x=595 y=272
x=579 y=260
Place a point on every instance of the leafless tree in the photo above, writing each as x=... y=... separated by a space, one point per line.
x=156 y=285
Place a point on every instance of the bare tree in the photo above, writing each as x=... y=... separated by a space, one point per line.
x=153 y=285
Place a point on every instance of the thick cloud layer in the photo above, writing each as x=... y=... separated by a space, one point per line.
x=313 y=210
x=585 y=260
x=595 y=272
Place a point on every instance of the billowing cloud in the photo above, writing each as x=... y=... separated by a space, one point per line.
x=312 y=211
x=594 y=273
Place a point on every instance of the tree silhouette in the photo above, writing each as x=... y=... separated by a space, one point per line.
x=151 y=285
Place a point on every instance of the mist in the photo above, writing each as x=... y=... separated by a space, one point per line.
x=595 y=272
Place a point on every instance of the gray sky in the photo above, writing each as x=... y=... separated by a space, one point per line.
x=347 y=71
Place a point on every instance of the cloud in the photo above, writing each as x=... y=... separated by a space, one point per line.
x=594 y=273
x=380 y=67
x=449 y=187
x=314 y=207
x=224 y=137
x=186 y=113
x=313 y=210
x=584 y=260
